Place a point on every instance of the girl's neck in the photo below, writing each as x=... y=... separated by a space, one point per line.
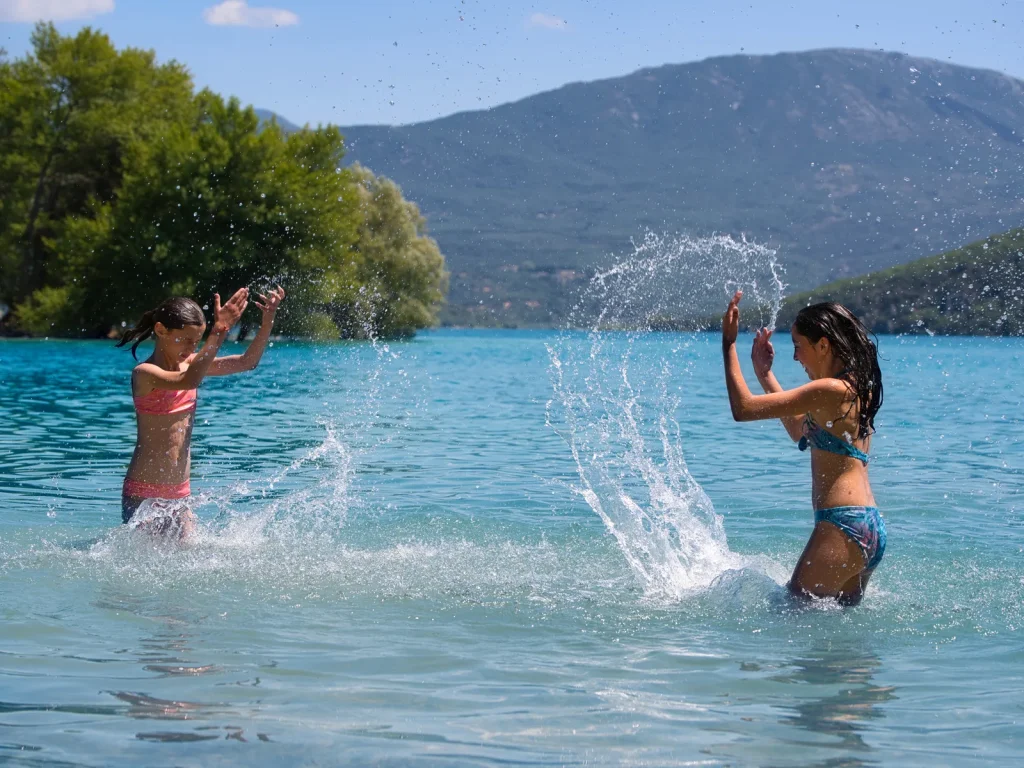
x=164 y=360
x=830 y=370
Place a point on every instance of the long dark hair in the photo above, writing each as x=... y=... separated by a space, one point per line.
x=174 y=313
x=852 y=345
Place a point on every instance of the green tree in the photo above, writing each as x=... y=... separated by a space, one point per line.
x=192 y=199
x=400 y=268
x=69 y=112
x=977 y=289
x=215 y=205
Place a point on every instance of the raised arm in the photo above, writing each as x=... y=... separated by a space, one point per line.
x=149 y=376
x=794 y=403
x=224 y=366
x=762 y=354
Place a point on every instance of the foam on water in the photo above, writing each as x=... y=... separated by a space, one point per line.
x=311 y=530
x=319 y=504
x=271 y=524
x=312 y=495
x=607 y=396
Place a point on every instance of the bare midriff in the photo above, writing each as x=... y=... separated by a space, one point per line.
x=163 y=449
x=840 y=481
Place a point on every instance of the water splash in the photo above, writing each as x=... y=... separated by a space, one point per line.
x=352 y=398
x=682 y=283
x=319 y=505
x=617 y=393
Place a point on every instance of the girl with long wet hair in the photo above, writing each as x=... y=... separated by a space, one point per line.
x=834 y=416
x=156 y=490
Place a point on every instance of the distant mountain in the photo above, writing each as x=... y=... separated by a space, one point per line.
x=846 y=160
x=977 y=289
x=265 y=116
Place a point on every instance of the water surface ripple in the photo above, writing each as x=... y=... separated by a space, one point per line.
x=397 y=565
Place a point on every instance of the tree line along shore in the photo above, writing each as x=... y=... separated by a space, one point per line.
x=974 y=290
x=121 y=184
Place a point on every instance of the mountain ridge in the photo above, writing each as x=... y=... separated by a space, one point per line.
x=845 y=160
x=266 y=115
x=656 y=67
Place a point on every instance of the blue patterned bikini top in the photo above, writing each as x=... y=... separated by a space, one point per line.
x=823 y=440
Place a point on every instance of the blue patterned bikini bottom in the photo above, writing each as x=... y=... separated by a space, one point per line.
x=862 y=524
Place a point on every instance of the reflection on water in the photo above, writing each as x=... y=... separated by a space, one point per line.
x=844 y=716
x=146 y=707
x=206 y=733
x=163 y=652
x=166 y=652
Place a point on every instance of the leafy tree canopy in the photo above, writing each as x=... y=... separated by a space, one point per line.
x=121 y=185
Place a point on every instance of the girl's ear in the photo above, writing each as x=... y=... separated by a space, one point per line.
x=159 y=328
x=824 y=346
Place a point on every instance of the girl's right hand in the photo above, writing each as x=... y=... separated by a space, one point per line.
x=762 y=354
x=225 y=317
x=731 y=320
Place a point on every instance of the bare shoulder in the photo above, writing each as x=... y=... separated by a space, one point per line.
x=145 y=369
x=825 y=396
x=141 y=379
x=838 y=386
x=845 y=389
x=828 y=387
x=147 y=376
x=837 y=398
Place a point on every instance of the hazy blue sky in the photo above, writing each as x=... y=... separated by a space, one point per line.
x=408 y=60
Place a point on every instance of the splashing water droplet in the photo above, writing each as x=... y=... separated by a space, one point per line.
x=616 y=397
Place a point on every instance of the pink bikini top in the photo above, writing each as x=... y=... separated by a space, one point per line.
x=161 y=401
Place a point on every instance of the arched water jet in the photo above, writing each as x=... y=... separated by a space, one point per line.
x=616 y=398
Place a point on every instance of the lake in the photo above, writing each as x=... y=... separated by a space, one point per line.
x=403 y=560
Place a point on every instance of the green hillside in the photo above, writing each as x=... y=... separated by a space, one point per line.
x=977 y=289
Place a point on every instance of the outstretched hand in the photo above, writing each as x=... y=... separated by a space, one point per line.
x=270 y=302
x=762 y=354
x=731 y=319
x=226 y=316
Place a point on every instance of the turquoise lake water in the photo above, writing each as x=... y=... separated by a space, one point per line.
x=403 y=561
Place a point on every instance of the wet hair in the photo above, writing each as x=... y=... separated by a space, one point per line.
x=851 y=344
x=174 y=313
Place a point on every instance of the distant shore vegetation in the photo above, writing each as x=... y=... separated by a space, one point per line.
x=974 y=290
x=121 y=184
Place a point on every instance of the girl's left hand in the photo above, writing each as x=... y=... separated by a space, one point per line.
x=763 y=352
x=731 y=320
x=270 y=302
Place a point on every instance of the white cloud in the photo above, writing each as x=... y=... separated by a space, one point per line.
x=547 y=21
x=237 y=13
x=52 y=10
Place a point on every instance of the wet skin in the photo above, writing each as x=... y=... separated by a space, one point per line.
x=832 y=565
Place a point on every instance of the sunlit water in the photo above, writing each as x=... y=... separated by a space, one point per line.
x=431 y=552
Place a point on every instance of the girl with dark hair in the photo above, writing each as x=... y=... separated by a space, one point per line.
x=833 y=415
x=156 y=488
